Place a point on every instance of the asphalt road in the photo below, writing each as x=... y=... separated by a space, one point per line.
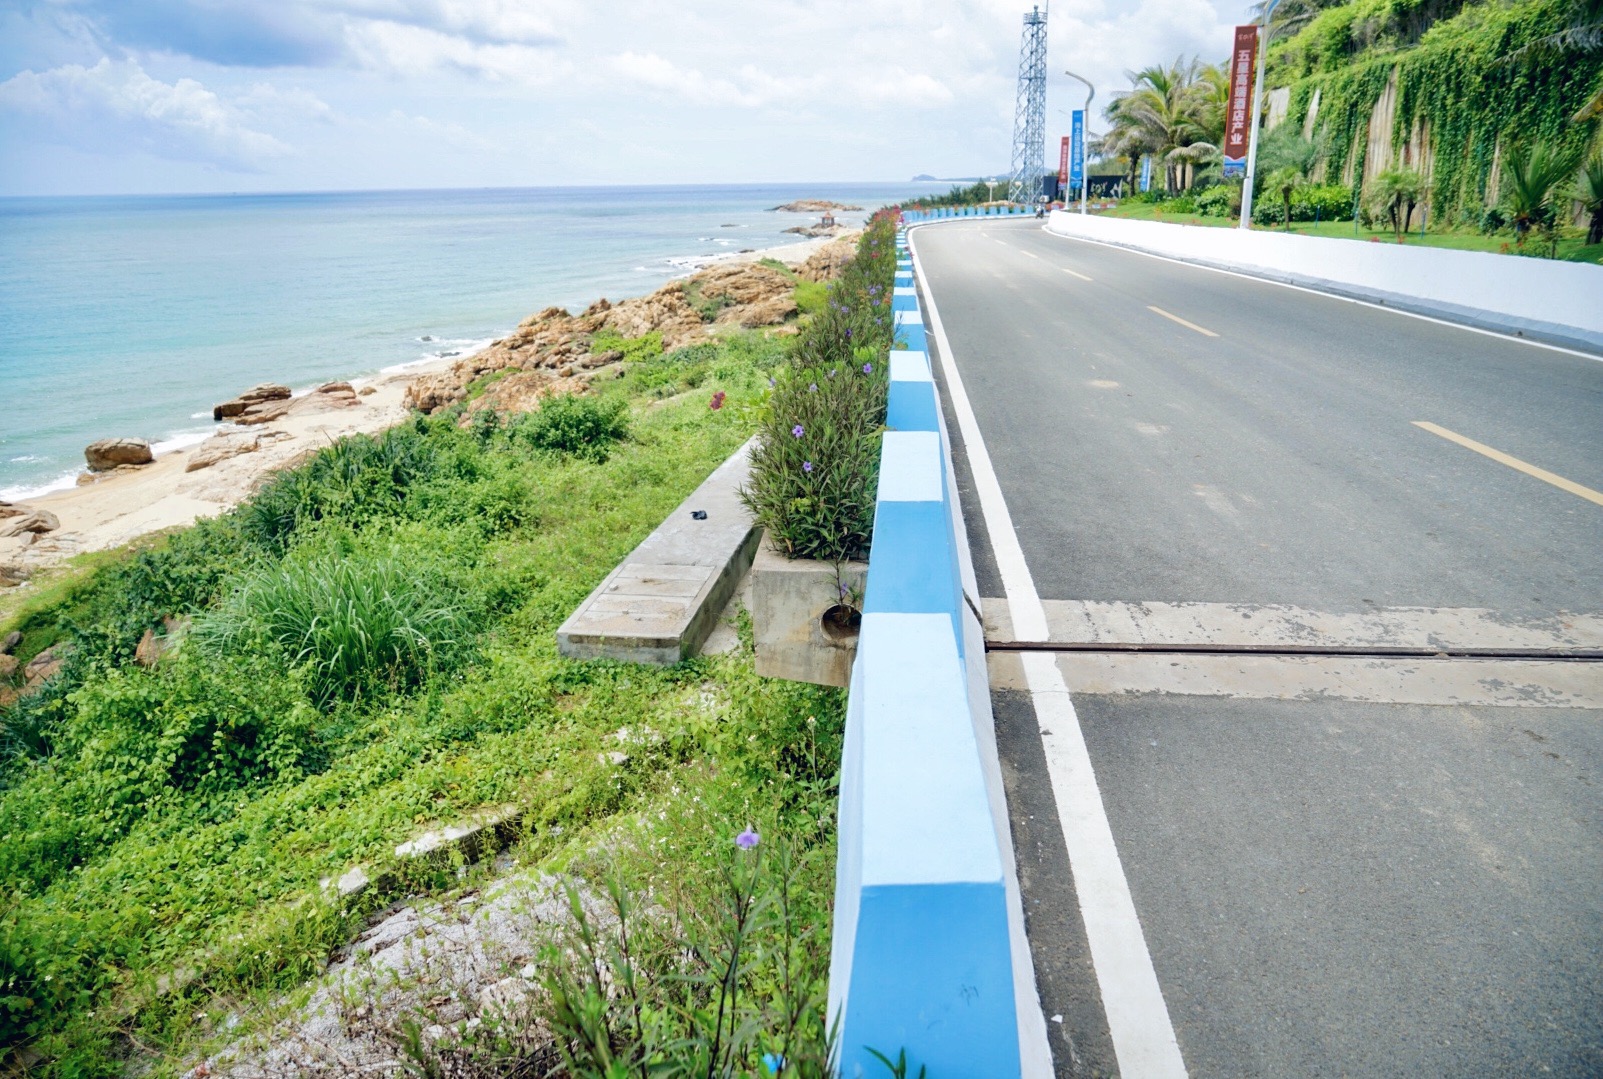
x=1277 y=462
x=1326 y=886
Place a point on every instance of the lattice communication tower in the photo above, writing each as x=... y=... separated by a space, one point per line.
x=1029 y=114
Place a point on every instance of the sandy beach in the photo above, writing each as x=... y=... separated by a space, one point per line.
x=121 y=506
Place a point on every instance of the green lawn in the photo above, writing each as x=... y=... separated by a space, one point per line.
x=1570 y=248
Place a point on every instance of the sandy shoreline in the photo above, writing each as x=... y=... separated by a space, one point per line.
x=122 y=506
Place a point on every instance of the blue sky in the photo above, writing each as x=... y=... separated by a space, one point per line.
x=139 y=96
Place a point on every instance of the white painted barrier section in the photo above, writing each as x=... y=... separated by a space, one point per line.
x=1560 y=301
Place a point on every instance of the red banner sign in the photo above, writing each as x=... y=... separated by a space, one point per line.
x=1238 y=114
x=1063 y=162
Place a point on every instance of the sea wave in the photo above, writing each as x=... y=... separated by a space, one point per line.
x=21 y=493
x=448 y=348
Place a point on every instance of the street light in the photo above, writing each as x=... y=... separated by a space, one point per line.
x=1085 y=134
x=1257 y=111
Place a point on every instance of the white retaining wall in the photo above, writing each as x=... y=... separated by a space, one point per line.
x=1541 y=298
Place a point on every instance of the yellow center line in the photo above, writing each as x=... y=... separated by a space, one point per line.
x=1074 y=273
x=1181 y=321
x=1513 y=462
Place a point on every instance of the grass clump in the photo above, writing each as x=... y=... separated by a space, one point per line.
x=584 y=427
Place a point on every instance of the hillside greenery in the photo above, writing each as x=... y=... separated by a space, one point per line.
x=371 y=653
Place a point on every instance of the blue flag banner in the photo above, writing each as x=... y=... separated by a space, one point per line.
x=1146 y=172
x=1077 y=150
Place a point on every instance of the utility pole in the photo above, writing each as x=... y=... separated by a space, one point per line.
x=1029 y=115
x=1085 y=137
x=1257 y=114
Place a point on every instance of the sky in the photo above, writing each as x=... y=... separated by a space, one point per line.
x=151 y=96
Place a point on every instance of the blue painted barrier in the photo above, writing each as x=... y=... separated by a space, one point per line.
x=921 y=955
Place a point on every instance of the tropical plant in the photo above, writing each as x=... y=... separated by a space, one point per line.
x=1283 y=182
x=1394 y=194
x=1532 y=176
x=1161 y=113
x=1589 y=193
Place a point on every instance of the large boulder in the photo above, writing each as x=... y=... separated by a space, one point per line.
x=110 y=453
x=35 y=521
x=256 y=395
x=8 y=510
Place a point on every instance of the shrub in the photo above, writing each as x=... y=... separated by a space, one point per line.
x=1313 y=202
x=1182 y=204
x=584 y=427
x=1220 y=200
x=811 y=296
x=814 y=470
x=356 y=621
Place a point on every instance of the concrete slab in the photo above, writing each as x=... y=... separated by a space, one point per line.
x=662 y=602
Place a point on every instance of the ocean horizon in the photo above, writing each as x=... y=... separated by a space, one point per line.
x=130 y=316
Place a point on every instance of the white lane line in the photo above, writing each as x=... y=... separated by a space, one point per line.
x=1181 y=321
x=1138 y=1019
x=1337 y=296
x=1074 y=273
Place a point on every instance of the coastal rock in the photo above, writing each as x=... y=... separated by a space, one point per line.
x=154 y=647
x=263 y=412
x=827 y=262
x=813 y=206
x=367 y=391
x=111 y=453
x=43 y=667
x=9 y=644
x=770 y=312
x=814 y=231
x=8 y=666
x=221 y=448
x=8 y=510
x=35 y=522
x=267 y=391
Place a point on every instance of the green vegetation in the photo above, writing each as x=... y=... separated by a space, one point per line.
x=816 y=463
x=371 y=652
x=1491 y=106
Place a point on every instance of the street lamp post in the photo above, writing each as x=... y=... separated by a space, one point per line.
x=1257 y=112
x=990 y=190
x=1085 y=136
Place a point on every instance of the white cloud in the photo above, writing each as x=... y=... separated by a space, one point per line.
x=117 y=105
x=412 y=51
x=654 y=72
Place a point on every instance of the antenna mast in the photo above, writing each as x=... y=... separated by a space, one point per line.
x=1029 y=114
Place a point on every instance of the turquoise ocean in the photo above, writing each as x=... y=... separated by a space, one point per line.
x=131 y=317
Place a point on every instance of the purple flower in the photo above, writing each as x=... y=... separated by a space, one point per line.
x=748 y=839
x=812 y=387
x=770 y=383
x=848 y=334
x=717 y=400
x=799 y=430
x=868 y=368
x=807 y=466
x=833 y=371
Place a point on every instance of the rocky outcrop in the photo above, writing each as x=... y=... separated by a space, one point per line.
x=220 y=448
x=251 y=398
x=814 y=206
x=34 y=521
x=154 y=647
x=554 y=351
x=815 y=231
x=826 y=263
x=110 y=453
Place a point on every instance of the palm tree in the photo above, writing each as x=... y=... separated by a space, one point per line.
x=1161 y=104
x=1391 y=190
x=1283 y=181
x=1589 y=193
x=1531 y=176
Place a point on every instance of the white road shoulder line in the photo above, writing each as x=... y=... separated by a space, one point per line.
x=1336 y=296
x=1138 y=1019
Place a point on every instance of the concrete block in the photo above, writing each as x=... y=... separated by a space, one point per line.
x=788 y=602
x=662 y=602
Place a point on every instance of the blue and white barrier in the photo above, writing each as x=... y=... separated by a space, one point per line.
x=917 y=217
x=923 y=955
